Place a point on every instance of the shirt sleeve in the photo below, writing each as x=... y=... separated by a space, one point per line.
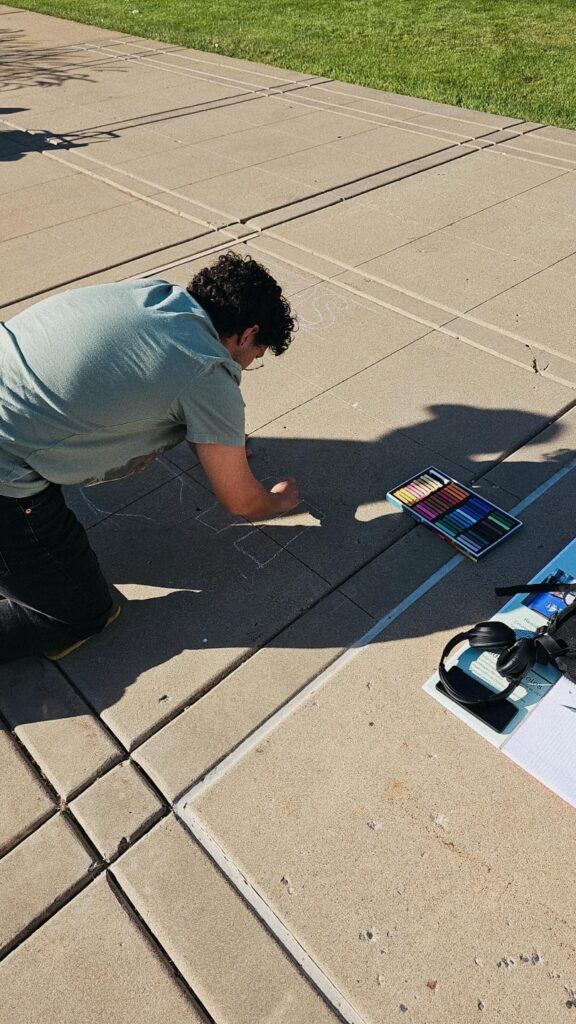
x=213 y=409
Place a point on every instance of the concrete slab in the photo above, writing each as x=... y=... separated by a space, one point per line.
x=469 y=125
x=211 y=63
x=117 y=809
x=337 y=162
x=222 y=950
x=24 y=170
x=25 y=801
x=255 y=146
x=84 y=85
x=181 y=457
x=428 y=201
x=54 y=864
x=159 y=112
x=168 y=200
x=113 y=146
x=521 y=228
x=231 y=65
x=273 y=252
x=544 y=146
x=341 y=334
x=81 y=247
x=535 y=462
x=449 y=270
x=463 y=404
x=91 y=939
x=457 y=189
x=172 y=643
x=539 y=312
x=41 y=206
x=189 y=126
x=183 y=204
x=411 y=104
x=183 y=166
x=183 y=750
x=9 y=148
x=321 y=126
x=565 y=135
x=350 y=233
x=244 y=193
x=151 y=264
x=514 y=347
x=41 y=32
x=382 y=782
x=397 y=298
x=55 y=725
x=277 y=388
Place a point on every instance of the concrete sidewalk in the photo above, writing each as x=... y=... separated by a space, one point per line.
x=358 y=854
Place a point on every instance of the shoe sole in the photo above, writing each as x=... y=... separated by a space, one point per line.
x=57 y=655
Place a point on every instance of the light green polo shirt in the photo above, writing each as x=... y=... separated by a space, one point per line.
x=94 y=382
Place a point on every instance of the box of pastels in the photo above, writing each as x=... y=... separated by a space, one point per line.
x=462 y=518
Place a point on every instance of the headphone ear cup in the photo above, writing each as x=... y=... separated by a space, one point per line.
x=515 y=662
x=491 y=635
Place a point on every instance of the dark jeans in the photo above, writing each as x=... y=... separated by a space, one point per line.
x=55 y=592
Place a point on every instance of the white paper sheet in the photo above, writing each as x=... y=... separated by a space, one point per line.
x=545 y=745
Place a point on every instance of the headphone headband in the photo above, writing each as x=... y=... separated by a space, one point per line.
x=515 y=659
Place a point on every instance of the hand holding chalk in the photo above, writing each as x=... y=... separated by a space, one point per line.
x=287 y=493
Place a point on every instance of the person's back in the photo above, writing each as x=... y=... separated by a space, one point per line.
x=92 y=380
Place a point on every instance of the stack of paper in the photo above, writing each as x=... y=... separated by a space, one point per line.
x=545 y=745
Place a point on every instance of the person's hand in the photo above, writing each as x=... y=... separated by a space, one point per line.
x=287 y=495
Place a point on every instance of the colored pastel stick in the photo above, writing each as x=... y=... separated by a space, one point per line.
x=473 y=535
x=436 y=476
x=481 y=505
x=502 y=519
x=448 y=528
x=487 y=532
x=467 y=545
x=432 y=481
x=446 y=497
x=427 y=513
x=456 y=492
x=405 y=496
x=436 y=502
x=462 y=516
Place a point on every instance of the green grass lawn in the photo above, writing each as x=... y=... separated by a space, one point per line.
x=513 y=57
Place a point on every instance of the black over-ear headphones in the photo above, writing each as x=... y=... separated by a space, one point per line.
x=516 y=658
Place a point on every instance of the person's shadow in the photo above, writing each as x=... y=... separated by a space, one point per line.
x=192 y=578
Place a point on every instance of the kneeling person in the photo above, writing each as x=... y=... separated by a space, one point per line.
x=94 y=383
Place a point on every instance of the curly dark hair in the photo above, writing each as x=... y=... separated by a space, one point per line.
x=238 y=292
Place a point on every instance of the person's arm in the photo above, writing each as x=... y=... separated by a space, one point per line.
x=236 y=487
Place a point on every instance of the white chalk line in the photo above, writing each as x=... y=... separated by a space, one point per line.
x=111 y=514
x=224 y=862
x=238 y=545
